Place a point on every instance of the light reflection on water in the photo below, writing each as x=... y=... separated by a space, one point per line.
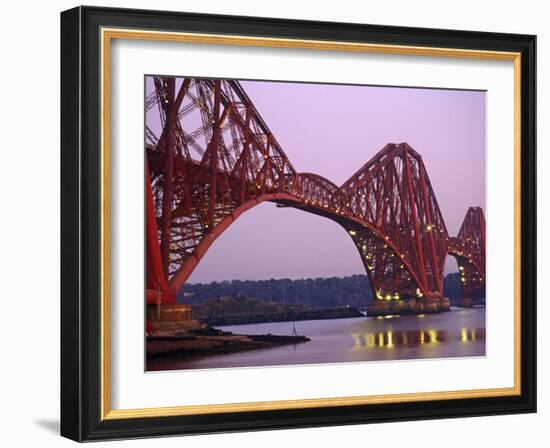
x=459 y=333
x=391 y=339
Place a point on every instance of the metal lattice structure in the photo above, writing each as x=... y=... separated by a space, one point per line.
x=469 y=250
x=211 y=157
x=402 y=238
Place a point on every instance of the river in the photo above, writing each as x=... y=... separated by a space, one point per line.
x=458 y=333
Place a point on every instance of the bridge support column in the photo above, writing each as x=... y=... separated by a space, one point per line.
x=408 y=306
x=169 y=320
x=466 y=302
x=470 y=302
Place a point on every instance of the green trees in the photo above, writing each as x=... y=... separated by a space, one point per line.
x=312 y=292
x=333 y=291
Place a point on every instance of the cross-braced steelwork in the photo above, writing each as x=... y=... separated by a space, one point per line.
x=211 y=157
x=403 y=238
x=469 y=250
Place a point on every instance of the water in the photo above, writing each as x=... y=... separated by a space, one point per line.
x=458 y=333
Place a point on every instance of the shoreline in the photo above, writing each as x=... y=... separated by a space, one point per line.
x=211 y=341
x=294 y=316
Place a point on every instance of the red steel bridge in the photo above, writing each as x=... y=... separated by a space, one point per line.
x=212 y=158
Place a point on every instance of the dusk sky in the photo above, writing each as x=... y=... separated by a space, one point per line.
x=332 y=130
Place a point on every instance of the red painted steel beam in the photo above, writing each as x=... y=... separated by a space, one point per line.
x=157 y=284
x=181 y=276
x=168 y=173
x=412 y=202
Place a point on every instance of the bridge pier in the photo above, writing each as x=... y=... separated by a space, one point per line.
x=408 y=306
x=171 y=319
x=468 y=302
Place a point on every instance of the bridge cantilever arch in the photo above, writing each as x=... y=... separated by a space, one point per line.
x=213 y=157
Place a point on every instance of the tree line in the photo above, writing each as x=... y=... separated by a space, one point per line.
x=353 y=290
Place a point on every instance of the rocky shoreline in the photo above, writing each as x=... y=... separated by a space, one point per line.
x=208 y=340
x=177 y=331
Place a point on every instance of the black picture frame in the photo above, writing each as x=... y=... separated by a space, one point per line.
x=81 y=224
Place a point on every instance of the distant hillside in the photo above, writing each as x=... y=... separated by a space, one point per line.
x=319 y=292
x=334 y=291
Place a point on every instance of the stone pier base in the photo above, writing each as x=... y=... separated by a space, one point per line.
x=169 y=320
x=466 y=302
x=174 y=312
x=408 y=306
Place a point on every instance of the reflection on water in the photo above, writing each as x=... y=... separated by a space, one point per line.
x=391 y=339
x=459 y=333
x=472 y=335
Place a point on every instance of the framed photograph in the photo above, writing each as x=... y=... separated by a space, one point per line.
x=273 y=223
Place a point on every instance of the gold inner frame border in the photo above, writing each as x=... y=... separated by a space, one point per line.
x=107 y=35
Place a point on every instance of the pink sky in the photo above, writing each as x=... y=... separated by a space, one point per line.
x=332 y=130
